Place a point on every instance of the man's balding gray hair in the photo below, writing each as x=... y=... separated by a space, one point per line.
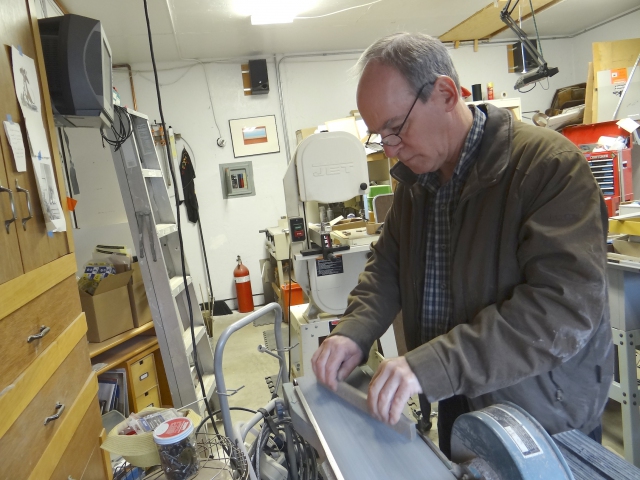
x=418 y=57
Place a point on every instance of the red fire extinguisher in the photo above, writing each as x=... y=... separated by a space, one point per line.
x=243 y=287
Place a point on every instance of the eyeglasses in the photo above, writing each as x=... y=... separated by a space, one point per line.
x=394 y=139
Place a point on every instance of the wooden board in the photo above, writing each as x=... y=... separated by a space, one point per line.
x=98 y=348
x=123 y=352
x=10 y=260
x=486 y=23
x=36 y=246
x=610 y=55
x=25 y=288
x=57 y=308
x=588 y=101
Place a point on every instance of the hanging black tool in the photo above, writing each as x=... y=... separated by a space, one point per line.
x=188 y=175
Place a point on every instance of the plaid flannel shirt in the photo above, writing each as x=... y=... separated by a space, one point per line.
x=437 y=303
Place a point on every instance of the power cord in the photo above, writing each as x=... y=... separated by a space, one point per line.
x=122 y=134
x=178 y=218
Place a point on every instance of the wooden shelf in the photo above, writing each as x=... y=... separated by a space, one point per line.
x=124 y=351
x=98 y=348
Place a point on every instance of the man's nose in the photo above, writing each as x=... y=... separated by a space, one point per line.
x=390 y=151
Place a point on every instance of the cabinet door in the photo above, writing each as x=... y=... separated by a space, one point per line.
x=10 y=264
x=38 y=248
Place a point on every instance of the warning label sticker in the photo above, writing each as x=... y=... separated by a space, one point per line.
x=516 y=430
x=329 y=267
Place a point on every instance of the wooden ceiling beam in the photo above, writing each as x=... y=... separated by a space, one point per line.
x=486 y=23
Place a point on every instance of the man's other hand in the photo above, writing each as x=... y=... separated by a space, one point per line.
x=335 y=360
x=390 y=389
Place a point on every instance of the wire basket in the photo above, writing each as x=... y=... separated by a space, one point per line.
x=219 y=460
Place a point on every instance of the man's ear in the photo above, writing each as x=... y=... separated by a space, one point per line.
x=448 y=92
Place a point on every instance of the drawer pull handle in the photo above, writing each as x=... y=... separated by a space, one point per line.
x=43 y=331
x=60 y=409
x=26 y=192
x=7 y=223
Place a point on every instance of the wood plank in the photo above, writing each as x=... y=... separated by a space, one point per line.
x=123 y=352
x=610 y=55
x=36 y=246
x=106 y=457
x=22 y=290
x=28 y=433
x=588 y=101
x=98 y=348
x=83 y=457
x=15 y=398
x=486 y=22
x=60 y=441
x=10 y=260
x=56 y=309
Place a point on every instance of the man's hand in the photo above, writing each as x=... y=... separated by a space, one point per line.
x=335 y=360
x=390 y=389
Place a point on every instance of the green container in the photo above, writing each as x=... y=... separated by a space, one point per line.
x=375 y=191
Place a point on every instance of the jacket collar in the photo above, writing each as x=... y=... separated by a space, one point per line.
x=493 y=157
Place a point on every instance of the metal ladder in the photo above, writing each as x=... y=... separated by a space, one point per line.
x=153 y=227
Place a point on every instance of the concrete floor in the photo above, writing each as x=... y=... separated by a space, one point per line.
x=245 y=366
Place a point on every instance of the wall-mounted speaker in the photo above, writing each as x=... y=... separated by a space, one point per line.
x=259 y=77
x=519 y=58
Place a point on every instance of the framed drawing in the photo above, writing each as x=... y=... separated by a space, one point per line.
x=254 y=136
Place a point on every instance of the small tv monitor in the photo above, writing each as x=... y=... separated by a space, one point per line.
x=77 y=58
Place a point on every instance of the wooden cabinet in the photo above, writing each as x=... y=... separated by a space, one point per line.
x=18 y=27
x=50 y=425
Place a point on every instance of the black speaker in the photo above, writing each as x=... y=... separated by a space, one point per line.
x=259 y=77
x=520 y=60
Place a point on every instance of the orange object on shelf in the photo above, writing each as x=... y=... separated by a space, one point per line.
x=297 y=298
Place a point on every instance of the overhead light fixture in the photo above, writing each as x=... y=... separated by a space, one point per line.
x=267 y=12
x=543 y=71
x=271 y=18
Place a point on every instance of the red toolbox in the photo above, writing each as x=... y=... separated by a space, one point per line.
x=611 y=169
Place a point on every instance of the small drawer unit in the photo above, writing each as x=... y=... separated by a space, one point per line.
x=150 y=398
x=143 y=375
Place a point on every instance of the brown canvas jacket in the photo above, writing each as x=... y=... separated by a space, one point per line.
x=528 y=280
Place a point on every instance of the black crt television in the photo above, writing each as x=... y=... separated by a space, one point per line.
x=77 y=58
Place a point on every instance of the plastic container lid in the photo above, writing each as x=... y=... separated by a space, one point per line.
x=172 y=431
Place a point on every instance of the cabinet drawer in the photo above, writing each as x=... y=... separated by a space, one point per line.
x=143 y=375
x=56 y=309
x=148 y=399
x=83 y=456
x=28 y=433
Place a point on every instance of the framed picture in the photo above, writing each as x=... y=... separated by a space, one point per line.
x=254 y=136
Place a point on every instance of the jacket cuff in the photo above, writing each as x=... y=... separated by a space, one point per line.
x=432 y=376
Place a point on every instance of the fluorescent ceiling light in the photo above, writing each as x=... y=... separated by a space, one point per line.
x=264 y=12
x=271 y=18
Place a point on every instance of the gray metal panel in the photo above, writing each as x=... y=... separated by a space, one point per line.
x=366 y=448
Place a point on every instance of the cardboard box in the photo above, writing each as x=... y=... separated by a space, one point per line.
x=625 y=245
x=372 y=228
x=140 y=310
x=108 y=310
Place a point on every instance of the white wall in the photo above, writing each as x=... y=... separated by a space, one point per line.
x=315 y=89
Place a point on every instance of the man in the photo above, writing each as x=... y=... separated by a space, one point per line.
x=494 y=251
